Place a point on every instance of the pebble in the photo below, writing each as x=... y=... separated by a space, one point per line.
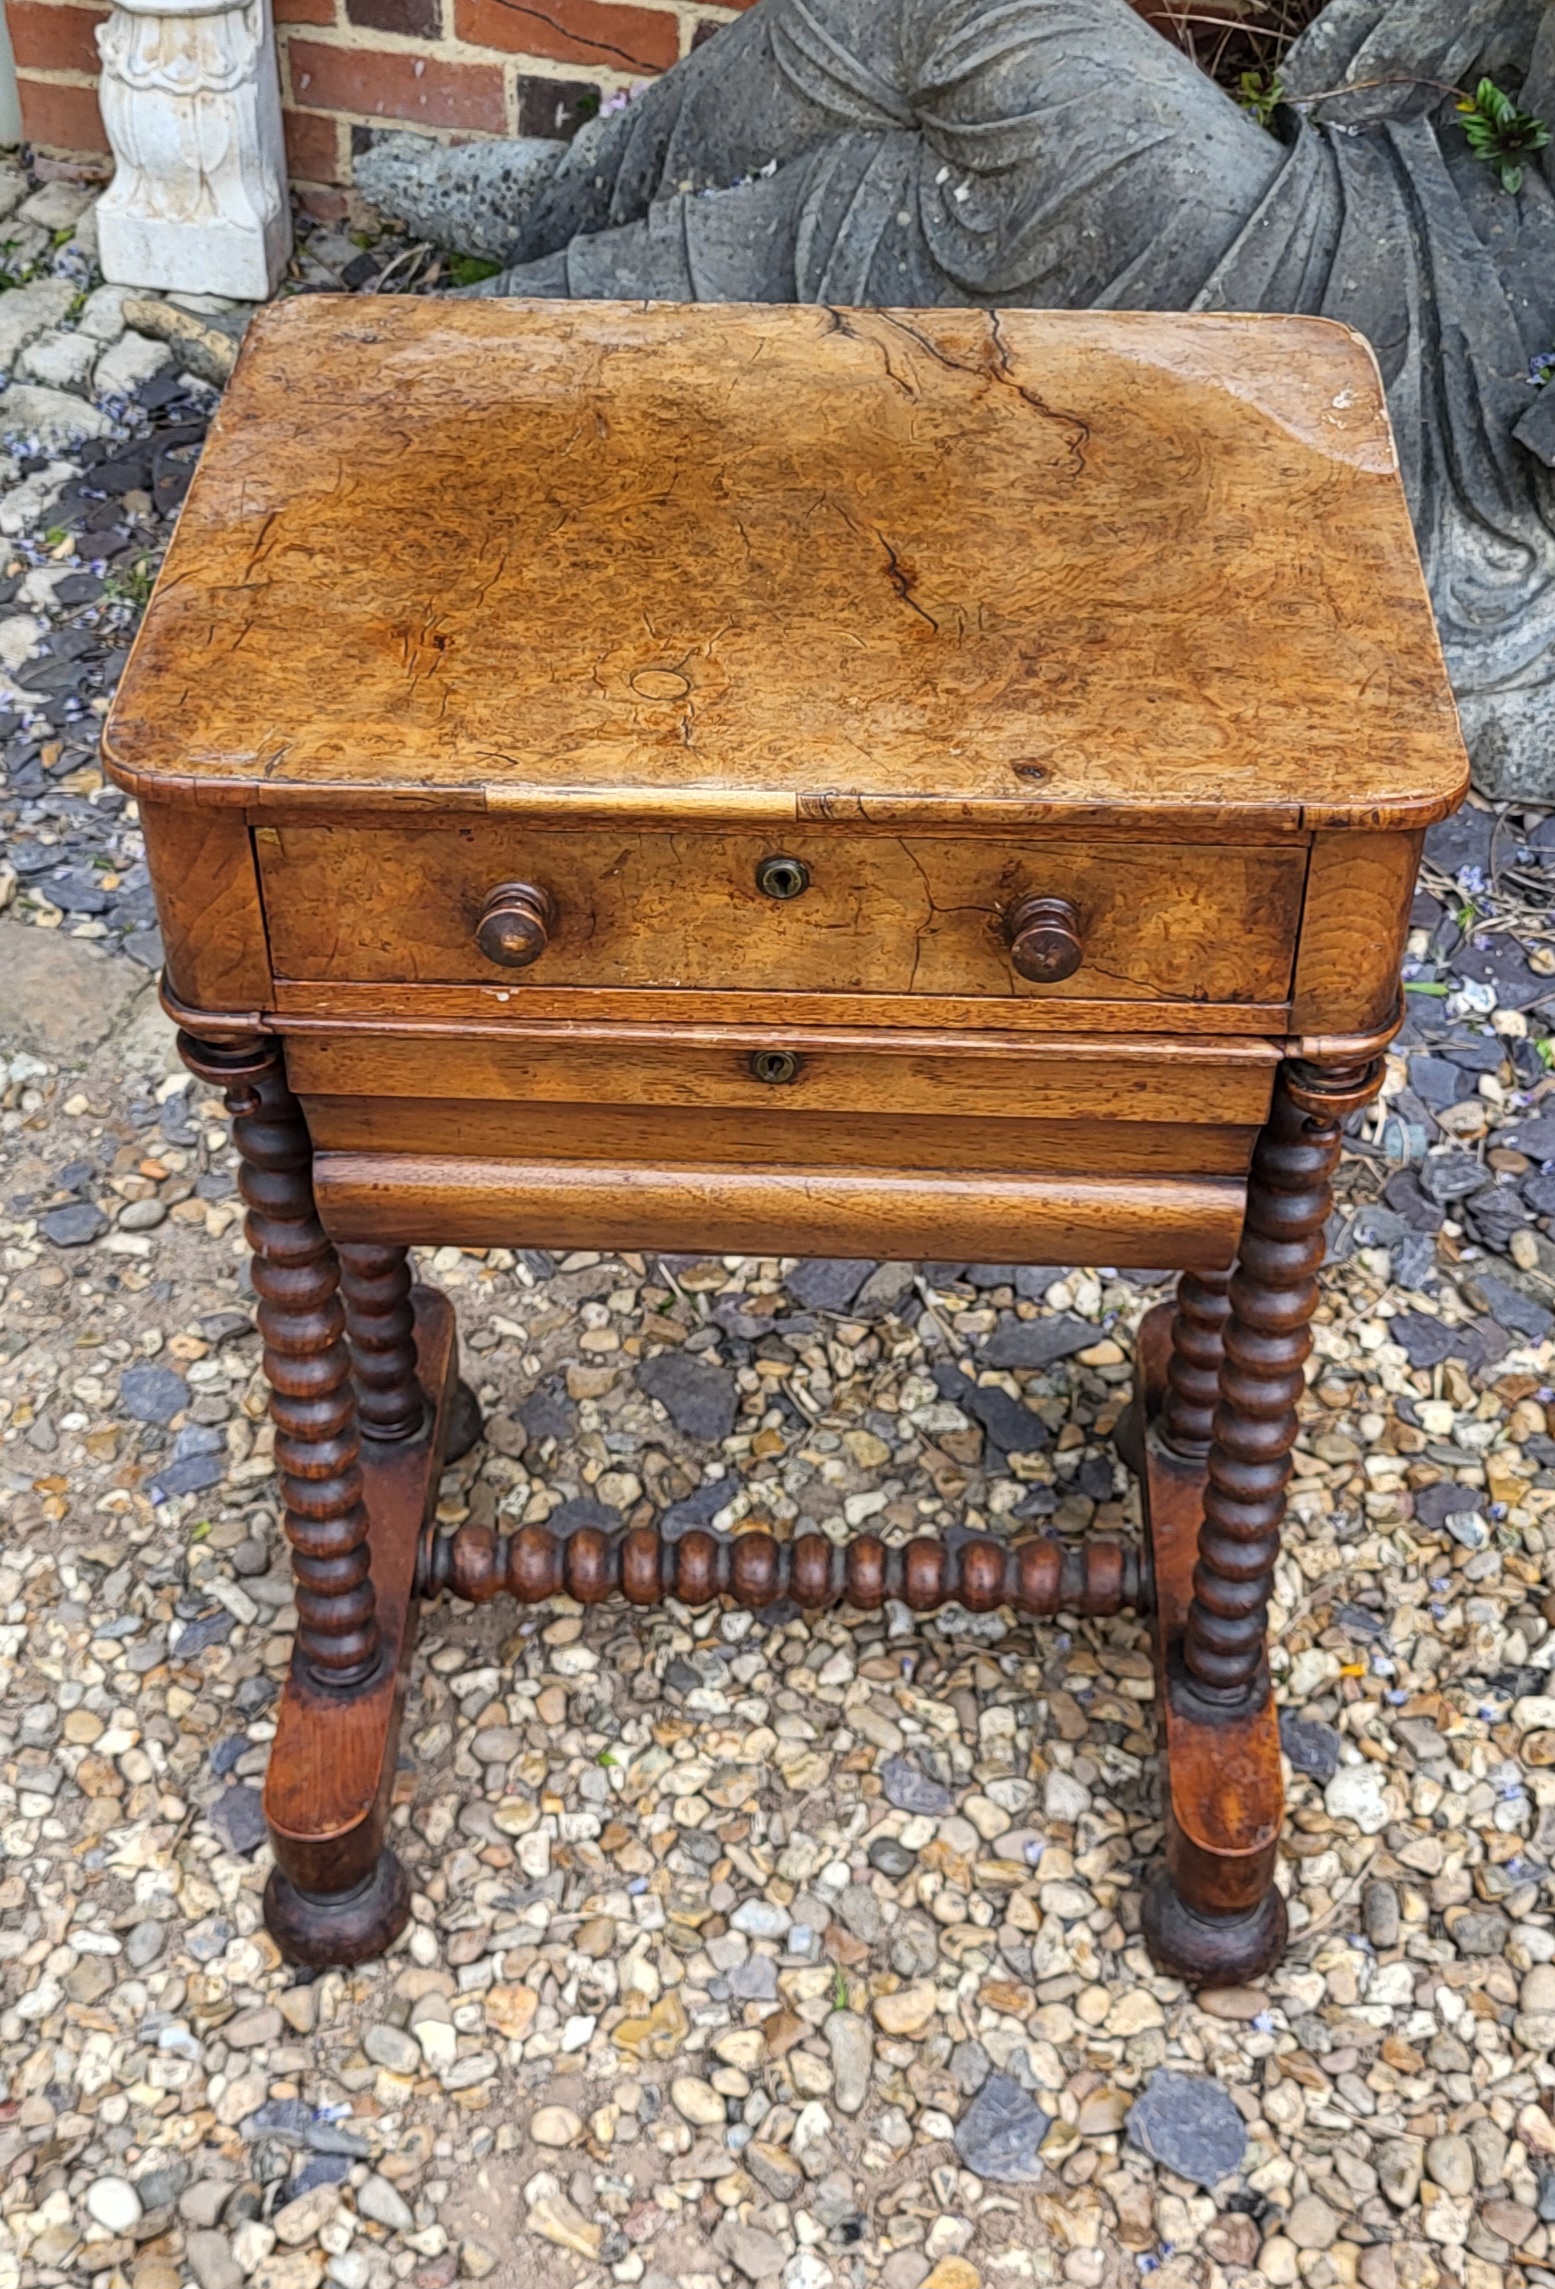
x=559 y=2126
x=1380 y=1913
x=1449 y=2163
x=852 y=2047
x=209 y=2257
x=556 y=2219
x=1355 y=1793
x=908 y=2011
x=761 y=1919
x=378 y=2200
x=1190 y=2124
x=392 y=2047
x=698 y=2102
x=1240 y=2004
x=910 y=1789
x=1311 y=2224
x=114 y=2204
x=1000 y=2135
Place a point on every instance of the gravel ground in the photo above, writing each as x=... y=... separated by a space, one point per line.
x=743 y=1950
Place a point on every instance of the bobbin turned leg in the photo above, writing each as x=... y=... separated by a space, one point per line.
x=337 y=1894
x=381 y=1332
x=1215 y=1501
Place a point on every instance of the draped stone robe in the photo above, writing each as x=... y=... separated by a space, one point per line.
x=1061 y=154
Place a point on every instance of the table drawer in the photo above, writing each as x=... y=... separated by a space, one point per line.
x=668 y=1097
x=874 y=913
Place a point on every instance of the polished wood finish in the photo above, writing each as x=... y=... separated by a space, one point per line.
x=660 y=1096
x=297 y=1277
x=658 y=1137
x=793 y=561
x=1213 y=1913
x=841 y=1070
x=1355 y=919
x=213 y=925
x=456 y=1011
x=1266 y=1341
x=1198 y=1350
x=913 y=914
x=787 y=780
x=381 y=1333
x=515 y=925
x=1043 y=935
x=788 y=1211
x=1044 y=1576
x=986 y=1076
x=337 y=1893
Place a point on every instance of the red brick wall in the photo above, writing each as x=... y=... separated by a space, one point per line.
x=453 y=68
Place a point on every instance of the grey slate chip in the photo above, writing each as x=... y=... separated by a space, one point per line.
x=1038 y=1342
x=1312 y=1746
x=1189 y=2123
x=698 y=1398
x=910 y=1789
x=74 y=1226
x=1001 y=2133
x=828 y=1283
x=238 y=1818
x=152 y=1394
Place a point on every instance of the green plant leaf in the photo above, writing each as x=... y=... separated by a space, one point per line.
x=470 y=269
x=1499 y=134
x=1260 y=95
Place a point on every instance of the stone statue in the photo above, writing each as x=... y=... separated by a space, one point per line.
x=1062 y=154
x=192 y=104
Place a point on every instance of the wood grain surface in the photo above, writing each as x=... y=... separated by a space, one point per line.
x=331 y=1768
x=911 y=914
x=989 y=1076
x=451 y=1012
x=1354 y=924
x=666 y=1137
x=403 y=1197
x=207 y=886
x=796 y=563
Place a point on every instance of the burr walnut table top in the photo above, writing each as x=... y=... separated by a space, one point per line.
x=1023 y=569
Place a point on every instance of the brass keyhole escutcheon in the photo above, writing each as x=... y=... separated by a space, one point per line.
x=1043 y=935
x=775 y=1066
x=515 y=924
x=782 y=878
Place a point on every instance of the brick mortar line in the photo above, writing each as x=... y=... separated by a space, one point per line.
x=348 y=38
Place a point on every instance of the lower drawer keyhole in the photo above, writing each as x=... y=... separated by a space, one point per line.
x=775 y=1066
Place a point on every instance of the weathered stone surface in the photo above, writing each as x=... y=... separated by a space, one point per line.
x=1001 y=2133
x=1189 y=2123
x=470 y=205
x=53 y=416
x=59 y=996
x=698 y=1397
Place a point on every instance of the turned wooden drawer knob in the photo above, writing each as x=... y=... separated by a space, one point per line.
x=516 y=924
x=1044 y=939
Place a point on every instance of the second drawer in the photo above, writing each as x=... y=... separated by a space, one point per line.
x=697 y=1094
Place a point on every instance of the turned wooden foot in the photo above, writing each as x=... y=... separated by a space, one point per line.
x=353 y=1511
x=1212 y=1950
x=326 y=1929
x=1214 y=1482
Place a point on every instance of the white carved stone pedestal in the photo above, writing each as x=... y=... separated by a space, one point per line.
x=191 y=101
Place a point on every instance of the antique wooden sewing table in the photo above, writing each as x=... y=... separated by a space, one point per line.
x=834 y=782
